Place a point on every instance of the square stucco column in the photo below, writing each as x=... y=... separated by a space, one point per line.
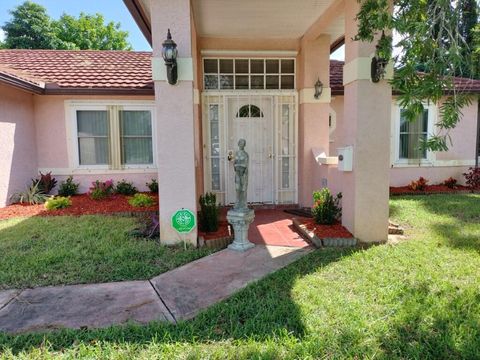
x=174 y=117
x=367 y=113
x=313 y=64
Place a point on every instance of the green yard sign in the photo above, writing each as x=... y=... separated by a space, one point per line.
x=183 y=221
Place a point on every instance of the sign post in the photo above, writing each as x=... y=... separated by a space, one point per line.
x=183 y=221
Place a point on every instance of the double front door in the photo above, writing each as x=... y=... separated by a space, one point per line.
x=251 y=118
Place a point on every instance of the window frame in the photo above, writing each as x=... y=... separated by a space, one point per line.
x=430 y=157
x=72 y=106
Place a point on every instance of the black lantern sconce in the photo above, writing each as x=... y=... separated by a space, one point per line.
x=318 y=89
x=169 y=54
x=379 y=64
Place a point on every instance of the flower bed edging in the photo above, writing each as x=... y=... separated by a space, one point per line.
x=217 y=240
x=323 y=242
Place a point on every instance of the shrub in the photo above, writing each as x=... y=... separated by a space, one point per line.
x=326 y=208
x=451 y=183
x=419 y=185
x=32 y=195
x=125 y=188
x=153 y=186
x=209 y=212
x=472 y=178
x=46 y=182
x=149 y=227
x=141 y=200
x=101 y=190
x=58 y=202
x=68 y=187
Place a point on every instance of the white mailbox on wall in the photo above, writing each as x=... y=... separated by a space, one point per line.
x=345 y=158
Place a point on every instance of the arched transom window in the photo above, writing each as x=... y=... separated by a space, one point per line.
x=249 y=111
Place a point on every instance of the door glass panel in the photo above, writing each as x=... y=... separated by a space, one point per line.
x=287 y=82
x=210 y=66
x=211 y=82
x=241 y=82
x=272 y=82
x=288 y=66
x=241 y=66
x=272 y=67
x=256 y=82
x=226 y=81
x=226 y=66
x=256 y=66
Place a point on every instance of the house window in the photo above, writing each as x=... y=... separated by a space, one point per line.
x=93 y=134
x=113 y=136
x=249 y=74
x=412 y=134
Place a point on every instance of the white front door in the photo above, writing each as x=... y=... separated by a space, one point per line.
x=251 y=118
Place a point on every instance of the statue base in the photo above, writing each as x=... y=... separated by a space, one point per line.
x=240 y=220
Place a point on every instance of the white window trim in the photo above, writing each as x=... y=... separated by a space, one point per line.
x=71 y=107
x=395 y=150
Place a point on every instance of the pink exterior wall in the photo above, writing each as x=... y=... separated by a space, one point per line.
x=18 y=160
x=451 y=163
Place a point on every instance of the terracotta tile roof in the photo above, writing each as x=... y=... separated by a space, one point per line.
x=65 y=69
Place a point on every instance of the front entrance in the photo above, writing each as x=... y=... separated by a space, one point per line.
x=267 y=120
x=251 y=119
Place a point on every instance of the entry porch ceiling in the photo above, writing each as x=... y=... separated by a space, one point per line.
x=247 y=19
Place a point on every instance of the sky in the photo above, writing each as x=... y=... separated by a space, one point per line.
x=112 y=10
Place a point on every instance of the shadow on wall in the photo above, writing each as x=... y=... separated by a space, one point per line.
x=17 y=139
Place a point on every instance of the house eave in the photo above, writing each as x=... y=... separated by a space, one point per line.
x=140 y=18
x=20 y=84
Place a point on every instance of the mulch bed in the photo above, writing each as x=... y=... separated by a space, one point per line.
x=81 y=205
x=430 y=189
x=326 y=231
x=222 y=232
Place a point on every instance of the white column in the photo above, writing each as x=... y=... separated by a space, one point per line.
x=175 y=117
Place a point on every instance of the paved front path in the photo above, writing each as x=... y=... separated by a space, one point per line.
x=175 y=295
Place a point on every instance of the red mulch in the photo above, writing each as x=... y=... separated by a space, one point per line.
x=222 y=232
x=430 y=189
x=326 y=231
x=81 y=205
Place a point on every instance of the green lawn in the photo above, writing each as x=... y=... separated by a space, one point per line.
x=41 y=251
x=418 y=299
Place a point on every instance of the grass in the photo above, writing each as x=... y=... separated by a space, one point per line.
x=40 y=251
x=418 y=299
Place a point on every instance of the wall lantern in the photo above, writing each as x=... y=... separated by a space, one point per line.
x=379 y=64
x=169 y=54
x=318 y=89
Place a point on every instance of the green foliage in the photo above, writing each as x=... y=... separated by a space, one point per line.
x=431 y=40
x=68 y=187
x=125 y=188
x=141 y=200
x=208 y=218
x=153 y=186
x=32 y=28
x=90 y=32
x=58 y=202
x=32 y=195
x=326 y=208
x=29 y=28
x=46 y=182
x=101 y=189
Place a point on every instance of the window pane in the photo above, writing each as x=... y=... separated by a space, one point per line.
x=226 y=81
x=241 y=82
x=288 y=66
x=226 y=66
x=210 y=66
x=241 y=66
x=273 y=82
x=93 y=151
x=410 y=146
x=137 y=150
x=92 y=123
x=256 y=66
x=215 y=164
x=135 y=123
x=272 y=67
x=256 y=82
x=211 y=82
x=287 y=82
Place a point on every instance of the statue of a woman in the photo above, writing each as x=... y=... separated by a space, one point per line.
x=241 y=175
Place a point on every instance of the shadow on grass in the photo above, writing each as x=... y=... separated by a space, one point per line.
x=261 y=311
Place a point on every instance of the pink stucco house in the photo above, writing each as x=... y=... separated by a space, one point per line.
x=246 y=69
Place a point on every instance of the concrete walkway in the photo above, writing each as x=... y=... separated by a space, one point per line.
x=176 y=295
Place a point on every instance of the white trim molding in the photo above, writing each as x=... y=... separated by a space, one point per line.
x=184 y=65
x=436 y=163
x=82 y=171
x=306 y=96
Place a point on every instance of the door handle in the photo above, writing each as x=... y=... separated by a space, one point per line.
x=230 y=155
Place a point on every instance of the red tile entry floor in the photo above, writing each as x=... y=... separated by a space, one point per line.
x=274 y=227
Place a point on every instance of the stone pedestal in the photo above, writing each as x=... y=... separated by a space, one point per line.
x=240 y=220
